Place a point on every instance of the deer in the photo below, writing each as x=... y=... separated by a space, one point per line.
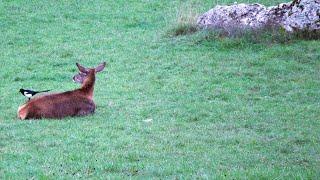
x=78 y=102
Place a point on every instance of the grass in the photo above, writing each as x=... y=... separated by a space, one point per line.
x=167 y=107
x=185 y=22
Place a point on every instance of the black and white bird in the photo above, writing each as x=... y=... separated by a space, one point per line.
x=29 y=93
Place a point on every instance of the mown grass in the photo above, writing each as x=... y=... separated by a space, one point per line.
x=167 y=107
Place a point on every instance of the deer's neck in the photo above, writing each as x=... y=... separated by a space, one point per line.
x=88 y=84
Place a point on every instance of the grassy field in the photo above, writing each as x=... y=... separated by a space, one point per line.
x=167 y=107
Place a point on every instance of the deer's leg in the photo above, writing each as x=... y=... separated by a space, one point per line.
x=87 y=109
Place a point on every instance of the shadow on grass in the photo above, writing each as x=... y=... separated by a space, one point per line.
x=267 y=35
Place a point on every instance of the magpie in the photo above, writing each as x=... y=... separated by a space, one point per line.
x=29 y=93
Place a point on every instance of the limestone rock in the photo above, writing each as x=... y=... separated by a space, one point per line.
x=296 y=15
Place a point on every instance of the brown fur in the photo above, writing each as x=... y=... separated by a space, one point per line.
x=71 y=103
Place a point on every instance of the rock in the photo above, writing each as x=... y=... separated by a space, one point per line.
x=304 y=14
x=292 y=16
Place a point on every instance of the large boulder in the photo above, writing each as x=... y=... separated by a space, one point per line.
x=292 y=16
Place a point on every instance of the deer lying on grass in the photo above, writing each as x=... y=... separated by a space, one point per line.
x=78 y=102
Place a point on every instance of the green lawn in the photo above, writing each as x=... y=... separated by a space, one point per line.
x=167 y=107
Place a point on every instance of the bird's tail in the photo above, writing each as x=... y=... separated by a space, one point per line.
x=45 y=91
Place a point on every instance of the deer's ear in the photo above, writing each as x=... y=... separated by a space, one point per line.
x=100 y=67
x=81 y=68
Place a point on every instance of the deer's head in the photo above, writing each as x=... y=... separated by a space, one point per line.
x=84 y=72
